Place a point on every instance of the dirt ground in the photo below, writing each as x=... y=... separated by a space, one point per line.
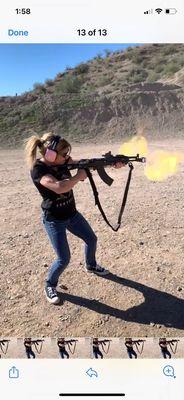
x=143 y=295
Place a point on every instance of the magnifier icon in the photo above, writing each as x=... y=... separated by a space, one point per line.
x=168 y=370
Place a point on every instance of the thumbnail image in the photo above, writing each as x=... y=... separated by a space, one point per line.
x=105 y=348
x=29 y=343
x=92 y=168
x=134 y=348
x=171 y=347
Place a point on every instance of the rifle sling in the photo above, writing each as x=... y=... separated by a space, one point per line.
x=97 y=201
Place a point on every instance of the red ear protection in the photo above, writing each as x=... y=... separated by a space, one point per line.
x=51 y=152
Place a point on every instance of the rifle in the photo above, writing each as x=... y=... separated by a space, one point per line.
x=100 y=164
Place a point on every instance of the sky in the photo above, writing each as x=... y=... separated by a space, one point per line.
x=22 y=65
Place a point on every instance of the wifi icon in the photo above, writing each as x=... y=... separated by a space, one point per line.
x=158 y=10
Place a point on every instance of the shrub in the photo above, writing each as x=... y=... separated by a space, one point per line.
x=99 y=57
x=137 y=59
x=49 y=82
x=69 y=84
x=107 y=52
x=39 y=87
x=152 y=77
x=137 y=75
x=169 y=49
x=104 y=80
x=159 y=68
x=81 y=69
x=171 y=68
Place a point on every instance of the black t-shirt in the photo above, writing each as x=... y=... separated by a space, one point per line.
x=163 y=345
x=57 y=206
x=61 y=344
x=129 y=345
x=95 y=345
x=27 y=344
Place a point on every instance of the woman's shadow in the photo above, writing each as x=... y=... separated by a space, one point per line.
x=158 y=307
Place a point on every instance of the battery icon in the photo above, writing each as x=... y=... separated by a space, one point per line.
x=171 y=11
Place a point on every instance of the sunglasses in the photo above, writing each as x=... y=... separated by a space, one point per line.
x=64 y=155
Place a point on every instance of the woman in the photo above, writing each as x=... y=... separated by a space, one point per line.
x=62 y=343
x=55 y=185
x=164 y=349
x=96 y=347
x=129 y=343
x=28 y=347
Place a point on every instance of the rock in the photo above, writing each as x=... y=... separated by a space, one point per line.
x=179 y=288
x=64 y=287
x=64 y=318
x=141 y=243
x=158 y=268
x=152 y=324
x=47 y=324
x=45 y=265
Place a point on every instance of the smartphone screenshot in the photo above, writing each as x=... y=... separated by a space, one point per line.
x=92 y=215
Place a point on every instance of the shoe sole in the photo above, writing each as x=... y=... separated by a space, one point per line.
x=50 y=300
x=98 y=273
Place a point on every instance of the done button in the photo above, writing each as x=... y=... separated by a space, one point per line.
x=13 y=32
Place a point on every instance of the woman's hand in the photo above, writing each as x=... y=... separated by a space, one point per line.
x=119 y=164
x=81 y=174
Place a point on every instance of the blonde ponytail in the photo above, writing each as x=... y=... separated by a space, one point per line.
x=31 y=146
x=34 y=143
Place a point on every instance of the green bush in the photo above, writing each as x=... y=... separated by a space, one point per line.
x=171 y=68
x=107 y=52
x=159 y=68
x=59 y=75
x=99 y=57
x=137 y=75
x=28 y=111
x=49 y=82
x=137 y=59
x=153 y=76
x=169 y=49
x=81 y=69
x=103 y=81
x=69 y=84
x=39 y=87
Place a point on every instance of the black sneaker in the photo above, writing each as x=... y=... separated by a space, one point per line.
x=52 y=295
x=97 y=270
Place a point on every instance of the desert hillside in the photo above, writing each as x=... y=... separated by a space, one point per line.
x=107 y=97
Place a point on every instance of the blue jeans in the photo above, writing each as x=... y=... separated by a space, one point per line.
x=166 y=353
x=56 y=231
x=131 y=353
x=30 y=353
